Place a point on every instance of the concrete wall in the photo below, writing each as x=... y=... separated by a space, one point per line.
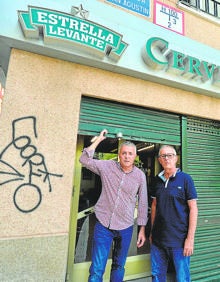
x=38 y=128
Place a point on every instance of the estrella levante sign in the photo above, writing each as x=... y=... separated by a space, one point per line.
x=57 y=27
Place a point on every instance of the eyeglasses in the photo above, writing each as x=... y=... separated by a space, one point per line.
x=168 y=156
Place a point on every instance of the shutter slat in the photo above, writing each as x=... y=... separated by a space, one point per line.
x=135 y=123
x=203 y=146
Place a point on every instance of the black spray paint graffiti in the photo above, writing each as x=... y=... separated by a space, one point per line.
x=33 y=162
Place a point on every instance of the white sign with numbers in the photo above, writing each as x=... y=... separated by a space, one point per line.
x=168 y=17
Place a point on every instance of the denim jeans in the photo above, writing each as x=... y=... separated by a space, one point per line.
x=160 y=258
x=102 y=242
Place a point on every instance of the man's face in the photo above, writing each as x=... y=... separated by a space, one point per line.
x=167 y=158
x=127 y=155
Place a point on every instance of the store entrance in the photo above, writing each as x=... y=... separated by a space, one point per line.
x=89 y=186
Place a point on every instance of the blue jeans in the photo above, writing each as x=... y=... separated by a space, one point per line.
x=160 y=258
x=102 y=242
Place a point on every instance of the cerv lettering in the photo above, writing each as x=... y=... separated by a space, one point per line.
x=29 y=169
x=157 y=55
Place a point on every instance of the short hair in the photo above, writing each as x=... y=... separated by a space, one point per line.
x=128 y=143
x=166 y=146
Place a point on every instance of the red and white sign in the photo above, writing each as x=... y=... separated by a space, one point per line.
x=168 y=17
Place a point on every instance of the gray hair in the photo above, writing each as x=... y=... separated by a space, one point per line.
x=166 y=146
x=128 y=143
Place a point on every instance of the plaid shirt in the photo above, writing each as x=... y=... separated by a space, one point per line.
x=120 y=192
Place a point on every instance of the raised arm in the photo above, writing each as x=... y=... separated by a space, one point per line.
x=99 y=139
x=86 y=158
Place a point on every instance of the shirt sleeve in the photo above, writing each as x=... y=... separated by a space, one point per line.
x=190 y=188
x=87 y=160
x=142 y=202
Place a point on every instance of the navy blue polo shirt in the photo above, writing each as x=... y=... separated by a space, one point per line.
x=172 y=212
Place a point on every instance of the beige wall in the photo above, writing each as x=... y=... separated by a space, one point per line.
x=50 y=91
x=36 y=242
x=202 y=30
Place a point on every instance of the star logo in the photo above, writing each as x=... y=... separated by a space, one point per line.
x=79 y=11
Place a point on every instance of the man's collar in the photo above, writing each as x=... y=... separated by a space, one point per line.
x=161 y=174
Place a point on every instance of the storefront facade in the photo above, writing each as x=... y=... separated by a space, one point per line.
x=99 y=66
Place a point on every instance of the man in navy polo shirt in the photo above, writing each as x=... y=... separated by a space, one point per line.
x=173 y=217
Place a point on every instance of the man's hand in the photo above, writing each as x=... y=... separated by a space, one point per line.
x=103 y=134
x=188 y=247
x=141 y=237
x=98 y=139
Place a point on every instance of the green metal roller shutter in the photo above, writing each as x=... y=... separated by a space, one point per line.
x=135 y=123
x=203 y=163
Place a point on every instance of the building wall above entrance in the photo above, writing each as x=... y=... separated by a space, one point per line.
x=121 y=47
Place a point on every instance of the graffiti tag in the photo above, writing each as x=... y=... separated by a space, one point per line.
x=31 y=161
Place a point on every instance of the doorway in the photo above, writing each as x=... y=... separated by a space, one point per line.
x=146 y=128
x=89 y=187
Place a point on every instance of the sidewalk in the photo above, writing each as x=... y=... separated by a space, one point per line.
x=170 y=278
x=139 y=280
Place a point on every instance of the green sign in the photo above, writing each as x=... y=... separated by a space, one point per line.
x=57 y=27
x=157 y=55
